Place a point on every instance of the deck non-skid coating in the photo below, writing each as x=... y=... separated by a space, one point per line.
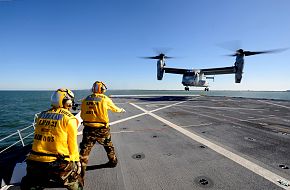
x=198 y=142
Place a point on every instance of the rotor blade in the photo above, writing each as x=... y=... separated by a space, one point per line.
x=166 y=57
x=155 y=57
x=249 y=53
x=232 y=55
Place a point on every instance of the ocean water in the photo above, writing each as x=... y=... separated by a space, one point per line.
x=17 y=108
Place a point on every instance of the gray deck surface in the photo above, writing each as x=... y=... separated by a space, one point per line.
x=230 y=143
x=195 y=143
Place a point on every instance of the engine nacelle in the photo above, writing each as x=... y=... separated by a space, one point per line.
x=239 y=66
x=238 y=77
x=160 y=69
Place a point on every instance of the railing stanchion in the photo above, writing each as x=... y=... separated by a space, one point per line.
x=20 y=137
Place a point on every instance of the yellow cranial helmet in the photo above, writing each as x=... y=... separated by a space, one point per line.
x=62 y=98
x=99 y=87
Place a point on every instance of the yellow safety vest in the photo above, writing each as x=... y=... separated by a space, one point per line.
x=94 y=110
x=55 y=135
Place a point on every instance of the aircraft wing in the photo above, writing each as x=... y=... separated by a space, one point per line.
x=218 y=71
x=176 y=70
x=210 y=71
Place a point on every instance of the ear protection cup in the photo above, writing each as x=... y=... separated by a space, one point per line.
x=104 y=88
x=67 y=103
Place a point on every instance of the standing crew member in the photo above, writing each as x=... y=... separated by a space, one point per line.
x=54 y=158
x=94 y=112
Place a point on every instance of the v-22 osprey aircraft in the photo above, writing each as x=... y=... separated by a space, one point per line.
x=196 y=77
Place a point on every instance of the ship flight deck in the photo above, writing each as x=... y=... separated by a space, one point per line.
x=195 y=142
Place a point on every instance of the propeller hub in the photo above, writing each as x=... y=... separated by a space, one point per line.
x=240 y=52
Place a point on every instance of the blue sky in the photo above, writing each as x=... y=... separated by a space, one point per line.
x=47 y=44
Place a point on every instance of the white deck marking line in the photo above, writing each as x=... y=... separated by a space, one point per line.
x=225 y=108
x=127 y=118
x=163 y=107
x=229 y=108
x=119 y=121
x=286 y=130
x=138 y=115
x=267 y=174
x=246 y=120
x=282 y=106
x=242 y=120
x=134 y=116
x=262 y=118
x=159 y=104
x=226 y=116
x=238 y=124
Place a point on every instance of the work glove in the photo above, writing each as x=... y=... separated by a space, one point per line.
x=123 y=110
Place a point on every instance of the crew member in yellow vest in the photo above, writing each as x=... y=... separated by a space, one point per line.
x=94 y=112
x=54 y=158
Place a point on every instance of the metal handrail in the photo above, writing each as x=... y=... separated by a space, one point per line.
x=18 y=132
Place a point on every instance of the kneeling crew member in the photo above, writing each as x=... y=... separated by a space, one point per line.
x=94 y=112
x=54 y=158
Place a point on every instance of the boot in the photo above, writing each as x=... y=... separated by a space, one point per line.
x=112 y=163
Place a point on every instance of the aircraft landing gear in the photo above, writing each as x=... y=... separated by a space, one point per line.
x=186 y=88
x=206 y=89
